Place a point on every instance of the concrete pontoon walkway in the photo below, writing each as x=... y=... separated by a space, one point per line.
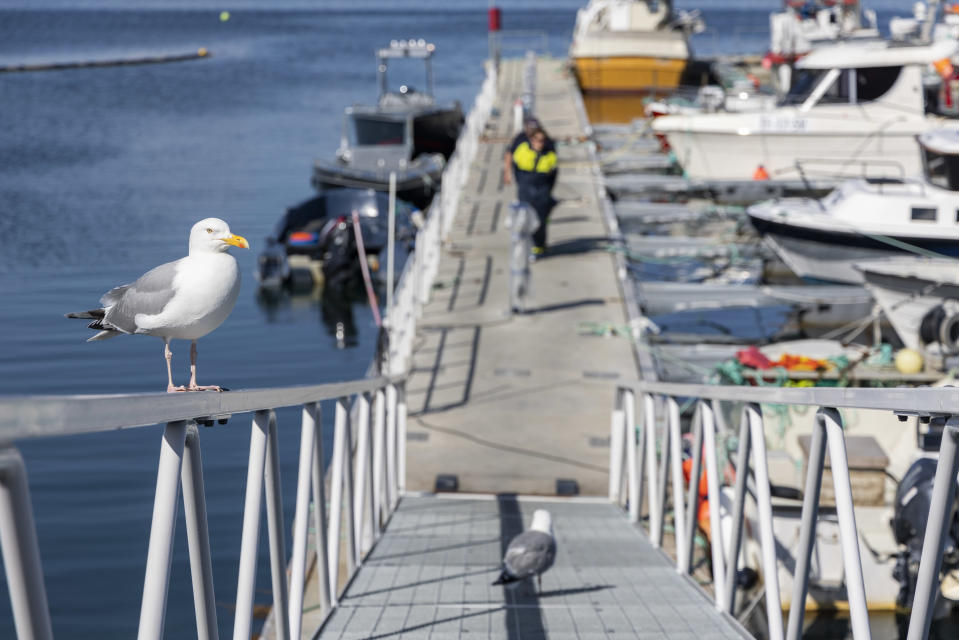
x=430 y=577
x=499 y=401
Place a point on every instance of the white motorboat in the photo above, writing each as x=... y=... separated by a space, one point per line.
x=869 y=218
x=920 y=297
x=854 y=106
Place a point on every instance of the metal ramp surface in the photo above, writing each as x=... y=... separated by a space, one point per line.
x=430 y=576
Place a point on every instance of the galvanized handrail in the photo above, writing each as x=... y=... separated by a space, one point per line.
x=631 y=454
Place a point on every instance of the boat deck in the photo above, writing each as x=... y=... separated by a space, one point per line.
x=430 y=576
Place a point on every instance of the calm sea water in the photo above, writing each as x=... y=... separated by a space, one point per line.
x=102 y=173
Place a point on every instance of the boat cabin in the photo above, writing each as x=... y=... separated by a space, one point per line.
x=376 y=138
x=940 y=158
x=405 y=96
x=897 y=75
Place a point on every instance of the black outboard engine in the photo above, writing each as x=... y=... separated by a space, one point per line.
x=913 y=496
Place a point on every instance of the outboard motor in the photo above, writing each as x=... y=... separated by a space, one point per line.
x=339 y=252
x=940 y=326
x=913 y=497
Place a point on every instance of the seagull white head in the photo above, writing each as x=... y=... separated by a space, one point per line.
x=542 y=522
x=212 y=235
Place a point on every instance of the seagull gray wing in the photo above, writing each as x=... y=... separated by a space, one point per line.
x=530 y=553
x=148 y=295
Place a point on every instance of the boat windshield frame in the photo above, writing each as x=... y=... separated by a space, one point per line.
x=840 y=86
x=940 y=169
x=351 y=134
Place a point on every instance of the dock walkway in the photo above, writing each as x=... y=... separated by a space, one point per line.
x=501 y=406
x=430 y=576
x=498 y=400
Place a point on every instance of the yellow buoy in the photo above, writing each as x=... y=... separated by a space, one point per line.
x=202 y=52
x=908 y=361
x=224 y=16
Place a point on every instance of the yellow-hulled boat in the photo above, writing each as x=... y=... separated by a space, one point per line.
x=630 y=46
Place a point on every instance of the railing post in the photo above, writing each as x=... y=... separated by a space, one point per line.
x=275 y=532
x=633 y=480
x=379 y=462
x=848 y=535
x=739 y=504
x=676 y=462
x=362 y=498
x=712 y=483
x=617 y=439
x=774 y=611
x=937 y=527
x=400 y=442
x=198 y=536
x=250 y=537
x=313 y=415
x=162 y=528
x=392 y=417
x=692 y=502
x=21 y=553
x=659 y=519
x=649 y=446
x=807 y=530
x=340 y=453
x=301 y=522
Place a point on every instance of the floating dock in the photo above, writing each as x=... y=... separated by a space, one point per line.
x=503 y=408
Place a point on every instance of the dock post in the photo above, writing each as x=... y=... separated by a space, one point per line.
x=392 y=417
x=21 y=553
x=379 y=462
x=198 y=536
x=649 y=426
x=400 y=442
x=162 y=529
x=937 y=527
x=275 y=532
x=807 y=530
x=633 y=473
x=364 y=475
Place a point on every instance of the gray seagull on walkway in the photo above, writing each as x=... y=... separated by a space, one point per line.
x=530 y=553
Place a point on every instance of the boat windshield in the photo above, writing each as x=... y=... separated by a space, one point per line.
x=803 y=85
x=854 y=86
x=941 y=169
x=366 y=131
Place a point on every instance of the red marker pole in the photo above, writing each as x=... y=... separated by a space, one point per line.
x=495 y=23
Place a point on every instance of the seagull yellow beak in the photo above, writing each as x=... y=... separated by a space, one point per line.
x=237 y=241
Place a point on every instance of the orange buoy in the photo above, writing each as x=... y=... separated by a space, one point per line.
x=760 y=173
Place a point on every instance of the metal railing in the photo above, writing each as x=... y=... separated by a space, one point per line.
x=366 y=477
x=367 y=495
x=635 y=470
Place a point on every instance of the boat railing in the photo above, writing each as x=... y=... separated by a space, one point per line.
x=802 y=165
x=646 y=458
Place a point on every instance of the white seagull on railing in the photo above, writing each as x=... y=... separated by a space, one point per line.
x=530 y=553
x=184 y=300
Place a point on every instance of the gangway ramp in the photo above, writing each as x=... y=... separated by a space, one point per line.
x=431 y=573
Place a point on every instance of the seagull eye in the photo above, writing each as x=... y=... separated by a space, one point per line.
x=209 y=230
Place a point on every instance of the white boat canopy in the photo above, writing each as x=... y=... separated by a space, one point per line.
x=858 y=55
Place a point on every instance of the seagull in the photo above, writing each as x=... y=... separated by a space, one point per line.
x=531 y=552
x=184 y=299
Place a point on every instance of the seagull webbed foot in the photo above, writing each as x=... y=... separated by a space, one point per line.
x=197 y=387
